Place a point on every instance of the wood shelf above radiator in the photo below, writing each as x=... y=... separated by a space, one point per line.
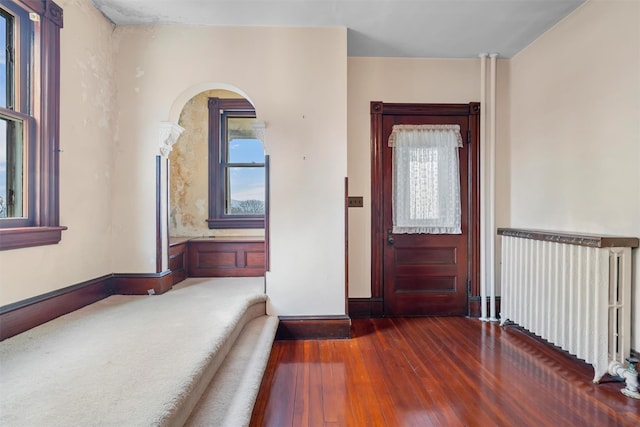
x=590 y=240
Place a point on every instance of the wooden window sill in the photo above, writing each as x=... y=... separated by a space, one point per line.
x=26 y=237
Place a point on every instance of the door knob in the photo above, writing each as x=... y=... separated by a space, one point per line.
x=389 y=237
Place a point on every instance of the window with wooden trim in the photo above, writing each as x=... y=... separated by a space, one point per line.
x=236 y=166
x=29 y=123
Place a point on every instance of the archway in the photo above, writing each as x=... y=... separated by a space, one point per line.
x=188 y=172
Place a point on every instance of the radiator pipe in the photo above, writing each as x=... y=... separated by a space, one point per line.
x=492 y=193
x=629 y=374
x=483 y=203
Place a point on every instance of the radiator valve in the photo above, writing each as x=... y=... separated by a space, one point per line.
x=630 y=376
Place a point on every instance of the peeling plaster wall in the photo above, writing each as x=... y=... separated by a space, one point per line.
x=189 y=170
x=87 y=123
x=297 y=80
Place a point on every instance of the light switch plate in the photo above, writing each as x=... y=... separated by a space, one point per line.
x=356 y=201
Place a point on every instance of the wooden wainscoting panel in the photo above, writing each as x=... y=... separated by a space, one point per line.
x=214 y=257
x=178 y=262
x=24 y=315
x=313 y=327
x=254 y=259
x=232 y=257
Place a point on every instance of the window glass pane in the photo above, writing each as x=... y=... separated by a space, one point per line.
x=4 y=63
x=243 y=145
x=11 y=169
x=245 y=191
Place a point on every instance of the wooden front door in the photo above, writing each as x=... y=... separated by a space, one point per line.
x=427 y=274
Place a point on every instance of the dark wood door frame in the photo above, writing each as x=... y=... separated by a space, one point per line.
x=378 y=110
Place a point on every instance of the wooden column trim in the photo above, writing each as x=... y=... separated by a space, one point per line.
x=159 y=214
x=377 y=225
x=474 y=205
x=49 y=115
x=346 y=246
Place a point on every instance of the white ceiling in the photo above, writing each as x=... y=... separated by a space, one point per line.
x=395 y=28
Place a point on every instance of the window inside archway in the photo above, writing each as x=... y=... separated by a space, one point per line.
x=236 y=166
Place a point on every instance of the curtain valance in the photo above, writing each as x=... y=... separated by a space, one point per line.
x=416 y=130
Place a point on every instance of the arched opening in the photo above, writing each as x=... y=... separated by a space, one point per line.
x=194 y=182
x=216 y=202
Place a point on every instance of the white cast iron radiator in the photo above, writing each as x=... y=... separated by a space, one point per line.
x=572 y=290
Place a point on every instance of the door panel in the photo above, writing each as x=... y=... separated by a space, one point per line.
x=425 y=274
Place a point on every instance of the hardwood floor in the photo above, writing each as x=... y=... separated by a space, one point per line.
x=435 y=371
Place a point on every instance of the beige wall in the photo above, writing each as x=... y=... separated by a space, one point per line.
x=567 y=153
x=296 y=78
x=391 y=80
x=575 y=127
x=87 y=119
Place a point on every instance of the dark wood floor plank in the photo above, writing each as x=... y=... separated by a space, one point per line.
x=334 y=380
x=279 y=410
x=442 y=366
x=266 y=387
x=422 y=406
x=383 y=398
x=303 y=387
x=316 y=411
x=360 y=389
x=435 y=372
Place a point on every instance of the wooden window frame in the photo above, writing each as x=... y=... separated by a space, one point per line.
x=218 y=218
x=42 y=224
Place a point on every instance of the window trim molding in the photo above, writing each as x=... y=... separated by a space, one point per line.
x=217 y=217
x=46 y=228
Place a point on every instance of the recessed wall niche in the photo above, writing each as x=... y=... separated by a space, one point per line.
x=188 y=186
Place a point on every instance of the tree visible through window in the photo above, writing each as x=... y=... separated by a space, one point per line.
x=236 y=166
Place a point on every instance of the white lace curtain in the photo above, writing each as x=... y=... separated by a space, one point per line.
x=426 y=181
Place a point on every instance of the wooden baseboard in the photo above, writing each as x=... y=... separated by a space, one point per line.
x=313 y=327
x=23 y=315
x=142 y=284
x=475 y=305
x=374 y=307
x=360 y=308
